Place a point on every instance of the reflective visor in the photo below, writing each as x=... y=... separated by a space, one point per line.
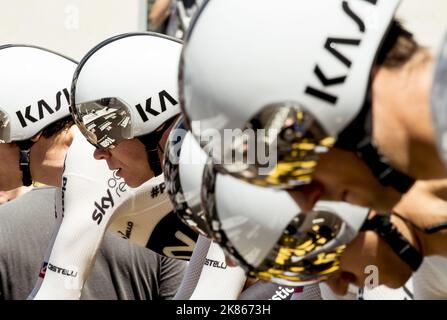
x=5 y=128
x=300 y=256
x=104 y=122
x=279 y=147
x=272 y=240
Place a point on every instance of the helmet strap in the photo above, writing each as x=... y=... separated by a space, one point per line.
x=357 y=137
x=382 y=225
x=151 y=142
x=24 y=162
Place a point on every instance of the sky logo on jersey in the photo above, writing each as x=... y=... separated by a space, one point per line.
x=41 y=105
x=43 y=270
x=162 y=97
x=100 y=209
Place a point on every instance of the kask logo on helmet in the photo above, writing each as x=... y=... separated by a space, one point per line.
x=41 y=105
x=330 y=44
x=162 y=97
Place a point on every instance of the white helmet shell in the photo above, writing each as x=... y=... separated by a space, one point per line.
x=256 y=221
x=316 y=53
x=138 y=68
x=35 y=86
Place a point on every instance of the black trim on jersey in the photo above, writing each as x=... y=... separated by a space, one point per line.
x=164 y=236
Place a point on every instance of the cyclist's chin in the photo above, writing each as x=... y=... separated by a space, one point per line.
x=133 y=179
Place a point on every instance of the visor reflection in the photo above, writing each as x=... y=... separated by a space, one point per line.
x=104 y=122
x=299 y=255
x=294 y=140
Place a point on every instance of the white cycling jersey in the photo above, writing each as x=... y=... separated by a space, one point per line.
x=430 y=280
x=91 y=199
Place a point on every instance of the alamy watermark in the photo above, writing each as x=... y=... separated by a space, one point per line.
x=235 y=149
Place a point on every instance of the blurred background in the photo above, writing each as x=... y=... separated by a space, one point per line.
x=72 y=27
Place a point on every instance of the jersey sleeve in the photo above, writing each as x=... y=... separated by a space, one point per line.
x=89 y=194
x=208 y=277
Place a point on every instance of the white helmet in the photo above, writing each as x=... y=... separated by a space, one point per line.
x=253 y=227
x=263 y=229
x=301 y=68
x=126 y=87
x=35 y=86
x=266 y=232
x=183 y=168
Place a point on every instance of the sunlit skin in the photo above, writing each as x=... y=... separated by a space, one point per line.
x=6 y=196
x=402 y=119
x=402 y=131
x=368 y=249
x=424 y=208
x=10 y=174
x=46 y=160
x=130 y=160
x=343 y=176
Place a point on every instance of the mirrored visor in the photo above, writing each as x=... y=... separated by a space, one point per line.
x=279 y=147
x=104 y=122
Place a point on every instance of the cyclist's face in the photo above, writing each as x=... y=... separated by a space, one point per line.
x=129 y=158
x=342 y=176
x=10 y=174
x=368 y=260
